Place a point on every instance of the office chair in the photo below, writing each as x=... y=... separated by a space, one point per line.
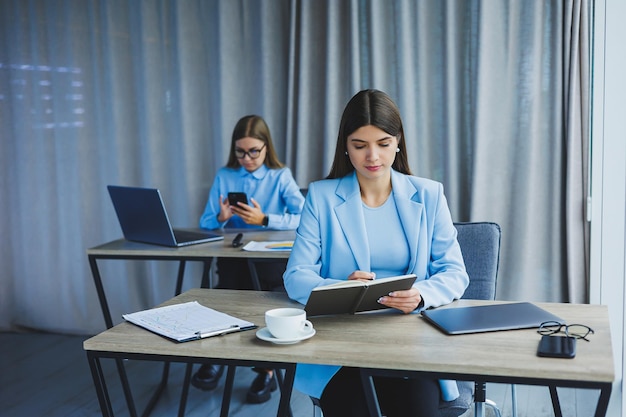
x=480 y=246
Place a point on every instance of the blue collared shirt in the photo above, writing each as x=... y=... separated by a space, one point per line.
x=274 y=189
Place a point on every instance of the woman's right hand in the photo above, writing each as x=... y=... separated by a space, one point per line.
x=362 y=276
x=225 y=212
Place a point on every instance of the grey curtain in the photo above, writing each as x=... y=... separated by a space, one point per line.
x=494 y=96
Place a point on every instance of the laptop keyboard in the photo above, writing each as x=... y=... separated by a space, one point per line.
x=188 y=235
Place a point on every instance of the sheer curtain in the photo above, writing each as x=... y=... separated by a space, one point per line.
x=494 y=99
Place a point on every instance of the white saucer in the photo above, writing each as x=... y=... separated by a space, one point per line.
x=264 y=334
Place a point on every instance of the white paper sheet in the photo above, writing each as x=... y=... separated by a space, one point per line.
x=187 y=321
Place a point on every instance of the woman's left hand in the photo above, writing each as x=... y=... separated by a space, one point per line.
x=406 y=300
x=251 y=214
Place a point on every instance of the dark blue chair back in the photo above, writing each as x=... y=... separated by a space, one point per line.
x=480 y=245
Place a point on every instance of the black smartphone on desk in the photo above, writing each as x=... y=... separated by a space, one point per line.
x=557 y=347
x=234 y=198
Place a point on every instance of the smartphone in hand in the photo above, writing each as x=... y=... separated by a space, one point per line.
x=234 y=198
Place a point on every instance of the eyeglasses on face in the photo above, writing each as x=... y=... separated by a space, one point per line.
x=577 y=331
x=252 y=153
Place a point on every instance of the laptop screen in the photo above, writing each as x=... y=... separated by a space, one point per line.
x=143 y=218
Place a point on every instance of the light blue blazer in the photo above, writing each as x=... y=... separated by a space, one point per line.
x=331 y=243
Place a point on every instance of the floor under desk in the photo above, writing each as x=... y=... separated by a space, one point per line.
x=46 y=374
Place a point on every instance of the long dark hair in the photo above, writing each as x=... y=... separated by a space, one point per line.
x=375 y=108
x=253 y=126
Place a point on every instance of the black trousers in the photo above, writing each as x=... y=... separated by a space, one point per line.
x=234 y=274
x=398 y=397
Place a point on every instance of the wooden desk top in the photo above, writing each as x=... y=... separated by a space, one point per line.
x=382 y=341
x=222 y=248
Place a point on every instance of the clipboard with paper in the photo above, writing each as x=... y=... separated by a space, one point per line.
x=187 y=321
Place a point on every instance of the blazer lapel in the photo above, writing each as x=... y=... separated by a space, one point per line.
x=350 y=215
x=410 y=213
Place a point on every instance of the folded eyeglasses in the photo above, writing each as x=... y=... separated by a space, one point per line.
x=577 y=331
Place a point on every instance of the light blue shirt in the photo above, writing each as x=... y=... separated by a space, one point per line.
x=274 y=189
x=383 y=226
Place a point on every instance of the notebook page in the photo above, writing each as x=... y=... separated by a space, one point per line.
x=184 y=321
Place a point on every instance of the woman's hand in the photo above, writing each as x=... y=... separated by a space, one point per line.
x=249 y=214
x=406 y=300
x=225 y=211
x=362 y=276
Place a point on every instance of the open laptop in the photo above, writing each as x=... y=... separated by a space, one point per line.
x=143 y=218
x=489 y=318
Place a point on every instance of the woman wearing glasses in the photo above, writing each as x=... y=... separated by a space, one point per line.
x=253 y=168
x=274 y=201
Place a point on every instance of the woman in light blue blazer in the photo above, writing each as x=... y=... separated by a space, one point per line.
x=371 y=218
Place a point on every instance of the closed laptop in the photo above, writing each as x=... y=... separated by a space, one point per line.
x=488 y=318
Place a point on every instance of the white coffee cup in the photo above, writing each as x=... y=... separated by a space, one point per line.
x=287 y=323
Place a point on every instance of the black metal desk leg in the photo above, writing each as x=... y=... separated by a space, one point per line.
x=278 y=374
x=106 y=313
x=126 y=387
x=206 y=279
x=95 y=273
x=370 y=393
x=603 y=401
x=228 y=390
x=157 y=393
x=555 y=401
x=185 y=391
x=181 y=275
x=100 y=385
x=286 y=388
x=256 y=283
